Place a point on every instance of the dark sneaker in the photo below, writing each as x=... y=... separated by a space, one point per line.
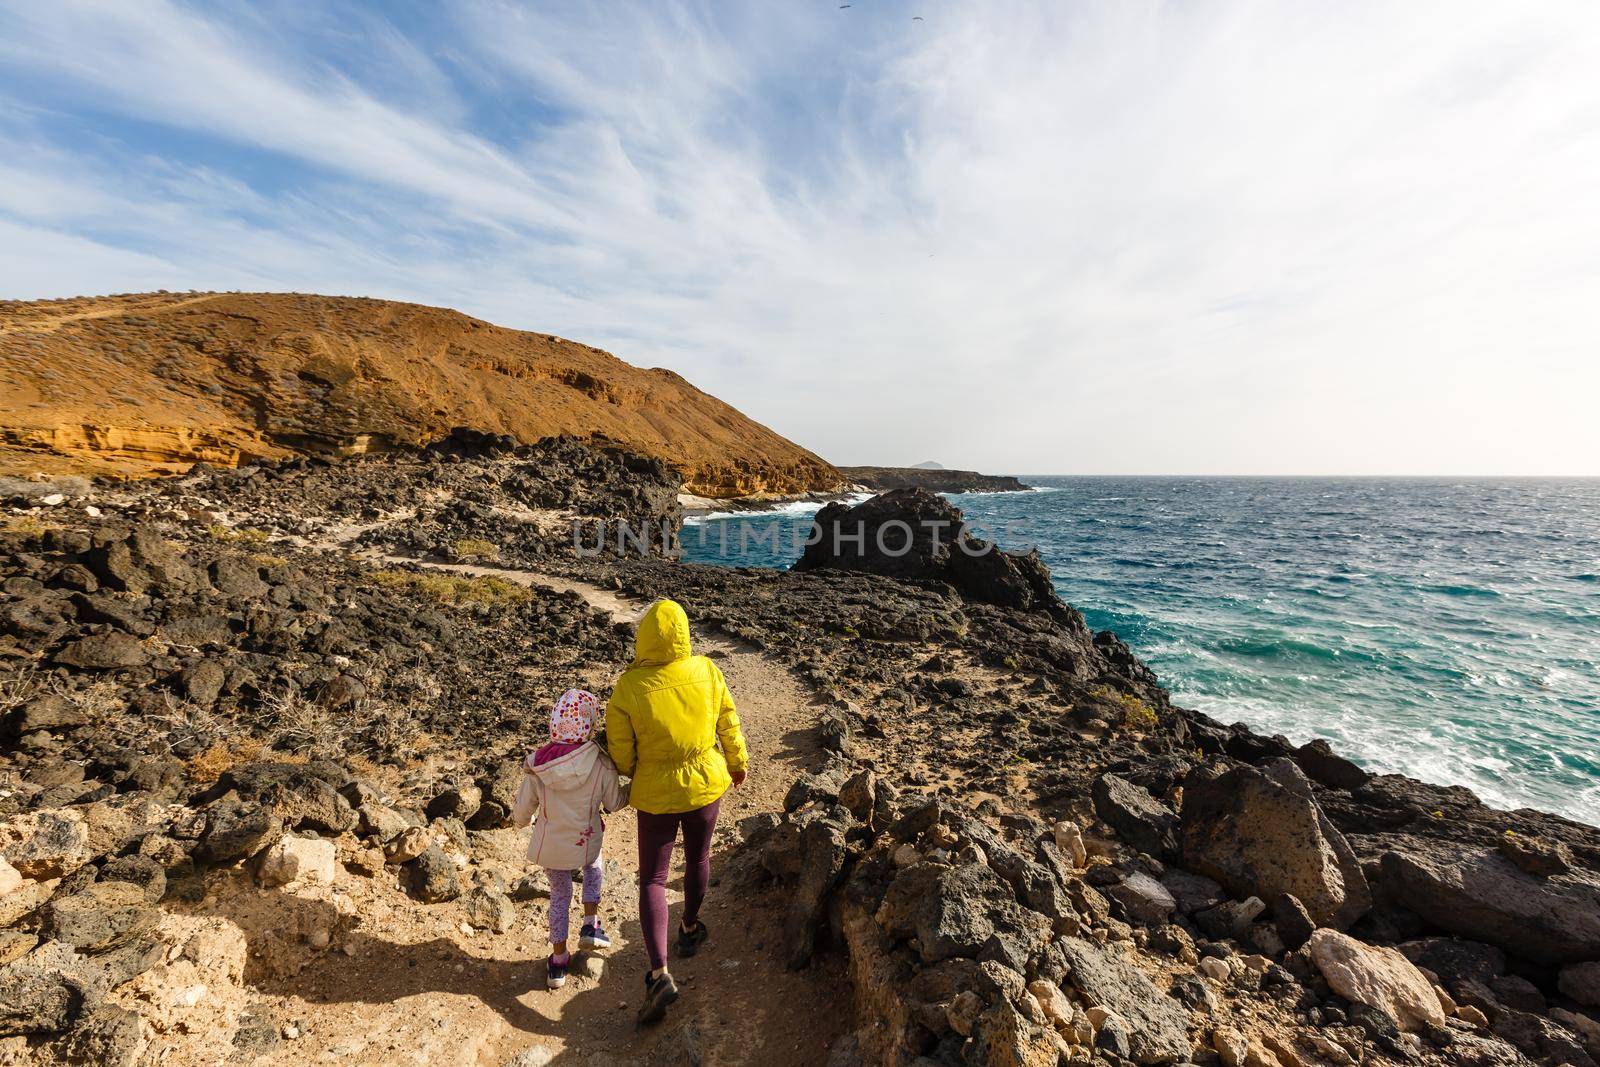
x=555 y=974
x=592 y=937
x=690 y=940
x=658 y=994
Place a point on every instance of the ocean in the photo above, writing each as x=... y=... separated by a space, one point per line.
x=1445 y=628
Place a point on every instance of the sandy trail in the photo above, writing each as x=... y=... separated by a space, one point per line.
x=417 y=989
x=48 y=324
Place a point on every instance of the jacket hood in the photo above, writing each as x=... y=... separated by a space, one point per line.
x=662 y=636
x=574 y=765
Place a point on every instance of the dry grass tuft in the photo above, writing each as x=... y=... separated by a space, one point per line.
x=475 y=548
x=455 y=589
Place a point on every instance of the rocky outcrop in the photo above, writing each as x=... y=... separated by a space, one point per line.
x=913 y=534
x=934 y=480
x=153 y=383
x=1481 y=894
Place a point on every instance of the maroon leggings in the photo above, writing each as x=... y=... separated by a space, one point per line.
x=657 y=834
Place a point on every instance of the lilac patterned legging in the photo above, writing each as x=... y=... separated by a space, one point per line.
x=561 y=896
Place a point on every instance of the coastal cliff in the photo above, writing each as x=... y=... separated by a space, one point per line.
x=933 y=479
x=144 y=384
x=263 y=726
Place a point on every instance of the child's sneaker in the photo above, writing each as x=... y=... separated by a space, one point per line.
x=555 y=973
x=690 y=940
x=592 y=936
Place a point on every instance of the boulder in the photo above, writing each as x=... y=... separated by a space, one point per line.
x=381 y=822
x=202 y=683
x=101 y=917
x=1137 y=816
x=142 y=561
x=1261 y=832
x=822 y=855
x=297 y=859
x=104 y=652
x=489 y=909
x=45 y=844
x=457 y=801
x=1377 y=977
x=1581 y=982
x=236 y=829
x=1454 y=960
x=1158 y=1026
x=304 y=795
x=37 y=1000
x=967 y=911
x=407 y=845
x=237 y=578
x=1004 y=1038
x=24 y=898
x=1542 y=1039
x=1322 y=764
x=432 y=877
x=1294 y=922
x=1480 y=894
x=141 y=871
x=1143 y=899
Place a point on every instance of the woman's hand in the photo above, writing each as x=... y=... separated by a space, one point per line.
x=738 y=778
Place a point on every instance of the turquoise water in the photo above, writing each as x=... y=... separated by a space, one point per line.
x=1444 y=628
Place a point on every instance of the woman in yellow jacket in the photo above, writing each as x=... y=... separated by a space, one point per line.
x=668 y=715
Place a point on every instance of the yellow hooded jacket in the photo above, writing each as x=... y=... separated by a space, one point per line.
x=667 y=713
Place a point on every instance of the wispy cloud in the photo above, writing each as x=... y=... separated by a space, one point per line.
x=1130 y=237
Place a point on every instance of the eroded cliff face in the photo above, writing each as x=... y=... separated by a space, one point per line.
x=149 y=384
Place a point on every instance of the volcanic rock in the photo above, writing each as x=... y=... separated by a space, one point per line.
x=1480 y=894
x=1263 y=834
x=913 y=534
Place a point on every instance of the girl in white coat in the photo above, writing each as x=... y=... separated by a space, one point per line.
x=569 y=782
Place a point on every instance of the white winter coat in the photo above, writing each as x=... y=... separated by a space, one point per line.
x=568 y=793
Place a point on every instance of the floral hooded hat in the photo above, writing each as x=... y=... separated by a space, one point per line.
x=572 y=717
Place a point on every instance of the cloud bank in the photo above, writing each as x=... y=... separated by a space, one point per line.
x=1232 y=237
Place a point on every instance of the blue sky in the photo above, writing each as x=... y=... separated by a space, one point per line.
x=1227 y=237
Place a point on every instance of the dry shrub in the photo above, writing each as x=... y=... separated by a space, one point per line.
x=209 y=765
x=455 y=589
x=475 y=548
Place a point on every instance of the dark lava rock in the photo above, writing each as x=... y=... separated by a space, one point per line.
x=432 y=876
x=459 y=801
x=1536 y=856
x=1261 y=833
x=236 y=829
x=141 y=871
x=1480 y=894
x=914 y=534
x=305 y=795
x=101 y=917
x=103 y=652
x=37 y=1000
x=1158 y=1025
x=106 y=1036
x=1541 y=1038
x=1454 y=960
x=957 y=912
x=1322 y=764
x=203 y=682
x=237 y=578
x=1294 y=922
x=1139 y=818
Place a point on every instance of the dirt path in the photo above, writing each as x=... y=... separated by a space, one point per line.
x=416 y=988
x=50 y=323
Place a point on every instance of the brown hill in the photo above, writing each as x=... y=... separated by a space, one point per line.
x=151 y=383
